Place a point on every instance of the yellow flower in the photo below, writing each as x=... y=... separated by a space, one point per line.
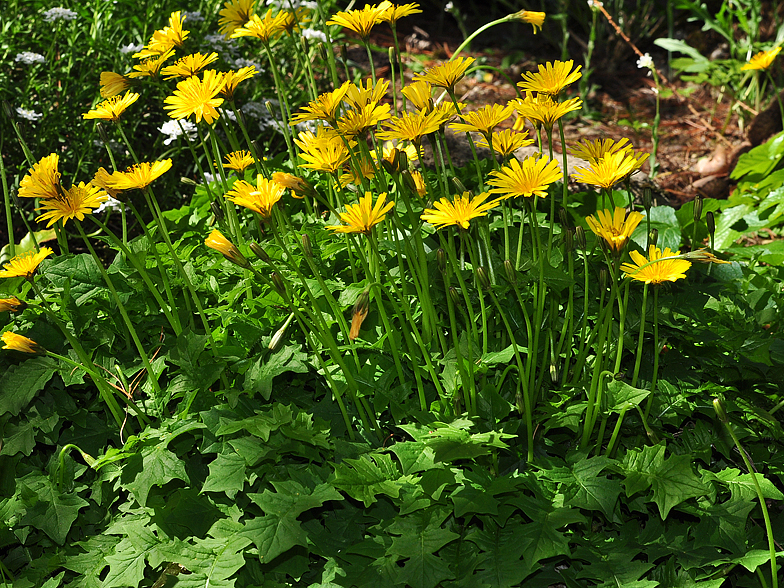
x=112 y=108
x=536 y=19
x=389 y=151
x=77 y=201
x=139 y=175
x=394 y=13
x=446 y=75
x=419 y=184
x=294 y=20
x=421 y=95
x=506 y=142
x=609 y=170
x=166 y=38
x=239 y=160
x=231 y=80
x=264 y=28
x=20 y=343
x=299 y=187
x=149 y=68
x=532 y=178
x=661 y=266
x=366 y=171
x=259 y=198
x=101 y=179
x=222 y=245
x=113 y=84
x=551 y=78
x=356 y=122
x=24 y=265
x=188 y=65
x=360 y=96
x=363 y=216
x=459 y=212
x=324 y=108
x=543 y=110
x=762 y=60
x=197 y=97
x=615 y=228
x=411 y=127
x=43 y=181
x=12 y=304
x=235 y=13
x=361 y=21
x=484 y=120
x=324 y=151
x=595 y=150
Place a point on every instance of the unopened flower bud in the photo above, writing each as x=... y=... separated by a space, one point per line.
x=653 y=237
x=102 y=133
x=698 y=208
x=278 y=282
x=12 y=304
x=344 y=53
x=389 y=166
x=511 y=274
x=277 y=338
x=459 y=185
x=647 y=198
x=306 y=249
x=268 y=106
x=579 y=236
x=483 y=278
x=718 y=406
x=322 y=49
x=454 y=295
x=8 y=110
x=359 y=313
x=603 y=277
x=188 y=181
x=568 y=241
x=441 y=259
x=408 y=180
x=563 y=216
x=401 y=162
x=259 y=252
x=217 y=211
x=222 y=245
x=391 y=54
x=711 y=222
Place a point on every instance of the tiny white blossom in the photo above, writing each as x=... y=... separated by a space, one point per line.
x=59 y=13
x=228 y=114
x=208 y=177
x=314 y=34
x=28 y=114
x=595 y=4
x=172 y=129
x=241 y=62
x=646 y=61
x=194 y=16
x=449 y=7
x=29 y=58
x=109 y=204
x=131 y=48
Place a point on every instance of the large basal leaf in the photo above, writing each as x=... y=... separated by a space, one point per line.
x=210 y=562
x=664 y=220
x=22 y=382
x=157 y=466
x=452 y=441
x=79 y=273
x=227 y=474
x=365 y=478
x=501 y=565
x=258 y=378
x=53 y=512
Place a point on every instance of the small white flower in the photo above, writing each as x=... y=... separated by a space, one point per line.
x=193 y=17
x=314 y=34
x=595 y=4
x=228 y=114
x=29 y=58
x=28 y=114
x=646 y=61
x=109 y=204
x=59 y=13
x=241 y=62
x=208 y=177
x=131 y=48
x=172 y=129
x=449 y=7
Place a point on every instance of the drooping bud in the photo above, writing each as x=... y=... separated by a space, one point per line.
x=306 y=249
x=647 y=198
x=360 y=312
x=653 y=237
x=12 y=304
x=408 y=180
x=718 y=406
x=222 y=245
x=277 y=338
x=454 y=295
x=698 y=208
x=461 y=189
x=102 y=133
x=344 y=53
x=563 y=216
x=568 y=241
x=579 y=236
x=217 y=211
x=711 y=222
x=278 y=282
x=402 y=161
x=483 y=278
x=511 y=274
x=259 y=252
x=441 y=259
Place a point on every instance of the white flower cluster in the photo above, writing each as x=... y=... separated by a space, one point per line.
x=29 y=58
x=28 y=114
x=173 y=130
x=241 y=62
x=131 y=48
x=314 y=34
x=285 y=4
x=59 y=13
x=193 y=17
x=109 y=204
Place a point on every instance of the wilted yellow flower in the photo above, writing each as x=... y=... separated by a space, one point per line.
x=43 y=181
x=222 y=245
x=259 y=198
x=532 y=178
x=361 y=21
x=536 y=19
x=24 y=265
x=661 y=266
x=12 y=304
x=359 y=313
x=362 y=217
x=239 y=160
x=762 y=60
x=615 y=228
x=113 y=84
x=166 y=38
x=101 y=179
x=139 y=175
x=419 y=184
x=235 y=13
x=506 y=142
x=264 y=28
x=188 y=65
x=609 y=170
x=20 y=343
x=75 y=202
x=484 y=120
x=458 y=212
x=299 y=187
x=112 y=108
x=324 y=108
x=551 y=78
x=150 y=68
x=420 y=94
x=197 y=97
x=231 y=80
x=446 y=75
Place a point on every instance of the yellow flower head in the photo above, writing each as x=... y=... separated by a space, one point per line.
x=259 y=198
x=263 y=28
x=197 y=97
x=615 y=228
x=356 y=122
x=231 y=80
x=325 y=151
x=291 y=21
x=532 y=178
x=139 y=175
x=446 y=75
x=389 y=152
x=395 y=13
x=299 y=187
x=360 y=96
x=12 y=304
x=222 y=245
x=21 y=343
x=762 y=60
x=551 y=78
x=366 y=171
x=419 y=184
x=361 y=21
x=112 y=108
x=609 y=170
x=458 y=212
x=235 y=13
x=149 y=68
x=324 y=108
x=187 y=66
x=43 y=181
x=506 y=142
x=484 y=120
x=363 y=216
x=239 y=161
x=77 y=201
x=113 y=84
x=411 y=127
x=535 y=19
x=543 y=110
x=166 y=38
x=101 y=180
x=595 y=150
x=24 y=265
x=421 y=95
x=661 y=266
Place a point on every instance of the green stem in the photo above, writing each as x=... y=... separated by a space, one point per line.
x=479 y=31
x=638 y=358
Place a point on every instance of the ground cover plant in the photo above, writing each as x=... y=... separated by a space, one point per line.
x=269 y=346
